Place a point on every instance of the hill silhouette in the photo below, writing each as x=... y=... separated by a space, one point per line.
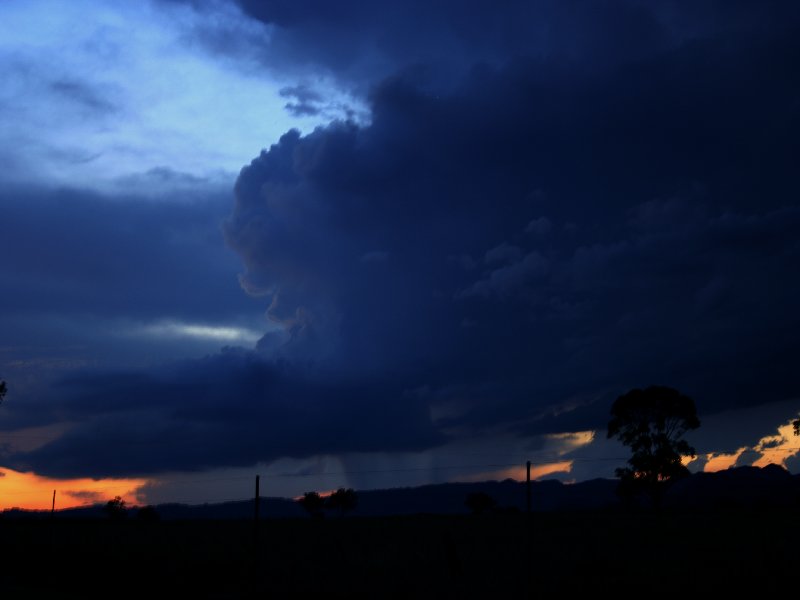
x=739 y=487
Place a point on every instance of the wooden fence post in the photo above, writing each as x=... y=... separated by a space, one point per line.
x=528 y=550
x=528 y=489
x=256 y=509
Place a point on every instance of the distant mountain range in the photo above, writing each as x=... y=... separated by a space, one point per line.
x=740 y=487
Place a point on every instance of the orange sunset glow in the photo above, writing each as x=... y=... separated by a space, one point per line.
x=324 y=494
x=776 y=449
x=519 y=473
x=34 y=492
x=720 y=462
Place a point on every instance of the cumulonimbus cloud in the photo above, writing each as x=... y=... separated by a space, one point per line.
x=521 y=246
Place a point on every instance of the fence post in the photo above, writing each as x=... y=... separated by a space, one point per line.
x=256 y=508
x=528 y=489
x=52 y=521
x=528 y=551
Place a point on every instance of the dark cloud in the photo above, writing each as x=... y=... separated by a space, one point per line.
x=164 y=176
x=71 y=252
x=230 y=409
x=83 y=274
x=86 y=279
x=305 y=101
x=552 y=202
x=84 y=95
x=86 y=496
x=359 y=41
x=622 y=227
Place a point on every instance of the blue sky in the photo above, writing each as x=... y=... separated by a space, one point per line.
x=98 y=91
x=388 y=244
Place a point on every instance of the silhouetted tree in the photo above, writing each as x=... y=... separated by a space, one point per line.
x=115 y=508
x=148 y=514
x=479 y=503
x=313 y=503
x=652 y=422
x=796 y=425
x=3 y=390
x=343 y=500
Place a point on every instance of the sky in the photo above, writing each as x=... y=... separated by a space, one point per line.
x=385 y=244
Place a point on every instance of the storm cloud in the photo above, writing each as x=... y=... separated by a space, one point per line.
x=662 y=246
x=550 y=203
x=360 y=42
x=229 y=409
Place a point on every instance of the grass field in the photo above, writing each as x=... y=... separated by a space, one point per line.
x=569 y=554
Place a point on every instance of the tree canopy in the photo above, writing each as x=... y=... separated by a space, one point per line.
x=3 y=390
x=313 y=503
x=652 y=422
x=343 y=500
x=115 y=508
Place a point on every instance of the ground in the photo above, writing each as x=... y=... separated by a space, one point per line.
x=566 y=554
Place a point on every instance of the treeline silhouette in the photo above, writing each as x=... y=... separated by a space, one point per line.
x=342 y=501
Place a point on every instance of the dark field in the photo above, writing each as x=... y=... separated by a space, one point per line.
x=404 y=557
